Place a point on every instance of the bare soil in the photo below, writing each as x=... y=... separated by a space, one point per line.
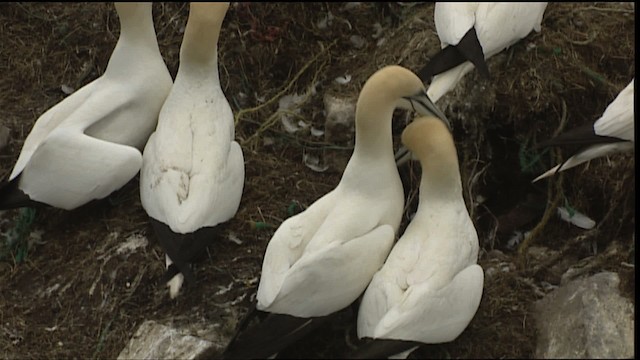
x=72 y=290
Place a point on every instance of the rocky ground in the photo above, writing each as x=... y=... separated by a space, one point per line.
x=78 y=284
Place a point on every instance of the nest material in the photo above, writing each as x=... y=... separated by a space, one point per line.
x=74 y=298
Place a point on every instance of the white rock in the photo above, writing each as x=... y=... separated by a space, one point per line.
x=157 y=341
x=340 y=119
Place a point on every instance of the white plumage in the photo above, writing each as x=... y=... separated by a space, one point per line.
x=320 y=260
x=88 y=145
x=430 y=285
x=487 y=29
x=617 y=126
x=498 y=25
x=193 y=171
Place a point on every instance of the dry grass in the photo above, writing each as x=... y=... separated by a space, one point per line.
x=581 y=59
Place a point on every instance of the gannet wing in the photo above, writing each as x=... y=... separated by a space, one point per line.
x=333 y=275
x=69 y=169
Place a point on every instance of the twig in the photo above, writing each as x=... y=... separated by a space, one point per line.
x=285 y=89
x=599 y=78
x=275 y=116
x=588 y=41
x=595 y=8
x=170 y=21
x=563 y=120
x=103 y=336
x=551 y=208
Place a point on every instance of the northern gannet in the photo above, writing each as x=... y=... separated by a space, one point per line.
x=320 y=260
x=430 y=286
x=612 y=132
x=470 y=33
x=89 y=144
x=193 y=170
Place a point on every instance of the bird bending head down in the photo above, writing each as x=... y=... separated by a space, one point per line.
x=319 y=261
x=430 y=285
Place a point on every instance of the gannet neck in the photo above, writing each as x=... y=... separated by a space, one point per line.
x=137 y=40
x=374 y=110
x=431 y=141
x=199 y=45
x=373 y=132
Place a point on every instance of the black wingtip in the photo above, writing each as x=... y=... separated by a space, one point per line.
x=381 y=349
x=269 y=334
x=444 y=60
x=183 y=249
x=581 y=136
x=468 y=49
x=471 y=48
x=11 y=197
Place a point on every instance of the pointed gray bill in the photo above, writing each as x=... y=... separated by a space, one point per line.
x=421 y=104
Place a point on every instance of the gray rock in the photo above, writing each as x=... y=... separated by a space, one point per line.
x=340 y=119
x=586 y=318
x=157 y=341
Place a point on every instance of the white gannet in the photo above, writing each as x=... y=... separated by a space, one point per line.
x=89 y=144
x=470 y=33
x=612 y=132
x=193 y=170
x=430 y=286
x=320 y=260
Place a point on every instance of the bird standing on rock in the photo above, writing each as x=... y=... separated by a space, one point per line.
x=193 y=170
x=430 y=286
x=613 y=132
x=89 y=144
x=319 y=261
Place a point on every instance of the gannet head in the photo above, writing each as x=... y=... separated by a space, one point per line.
x=432 y=143
x=397 y=85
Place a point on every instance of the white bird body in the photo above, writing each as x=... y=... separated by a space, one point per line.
x=430 y=286
x=87 y=146
x=193 y=170
x=498 y=25
x=320 y=260
x=617 y=119
x=313 y=255
x=470 y=33
x=616 y=125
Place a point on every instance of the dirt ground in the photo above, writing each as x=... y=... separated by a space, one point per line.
x=77 y=284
